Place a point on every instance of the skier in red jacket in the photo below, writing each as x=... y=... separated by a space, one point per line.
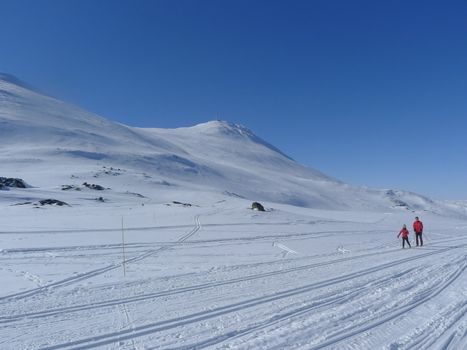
x=405 y=236
x=418 y=229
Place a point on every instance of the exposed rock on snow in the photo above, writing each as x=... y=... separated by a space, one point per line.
x=12 y=182
x=257 y=206
x=182 y=204
x=94 y=186
x=85 y=184
x=53 y=202
x=111 y=171
x=70 y=187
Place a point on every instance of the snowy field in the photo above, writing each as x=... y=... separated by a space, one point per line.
x=219 y=275
x=211 y=273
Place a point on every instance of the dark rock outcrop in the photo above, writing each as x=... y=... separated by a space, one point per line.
x=257 y=206
x=94 y=186
x=12 y=182
x=70 y=187
x=183 y=204
x=109 y=171
x=52 y=202
x=135 y=194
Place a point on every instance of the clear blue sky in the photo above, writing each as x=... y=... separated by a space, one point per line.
x=370 y=92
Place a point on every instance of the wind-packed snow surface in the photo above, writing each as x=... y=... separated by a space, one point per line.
x=322 y=268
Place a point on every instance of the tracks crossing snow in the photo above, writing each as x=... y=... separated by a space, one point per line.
x=151 y=316
x=147 y=329
x=102 y=270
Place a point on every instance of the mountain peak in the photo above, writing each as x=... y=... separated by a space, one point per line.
x=224 y=128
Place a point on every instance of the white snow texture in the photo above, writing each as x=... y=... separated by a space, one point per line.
x=321 y=268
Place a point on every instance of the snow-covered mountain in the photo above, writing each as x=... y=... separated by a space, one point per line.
x=41 y=135
x=151 y=244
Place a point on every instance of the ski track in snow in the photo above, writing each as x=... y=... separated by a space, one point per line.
x=151 y=296
x=97 y=272
x=336 y=299
x=52 y=312
x=450 y=320
x=269 y=315
x=139 y=331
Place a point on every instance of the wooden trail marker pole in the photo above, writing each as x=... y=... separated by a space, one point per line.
x=123 y=251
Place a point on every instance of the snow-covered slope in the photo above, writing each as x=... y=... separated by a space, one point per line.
x=42 y=135
x=166 y=254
